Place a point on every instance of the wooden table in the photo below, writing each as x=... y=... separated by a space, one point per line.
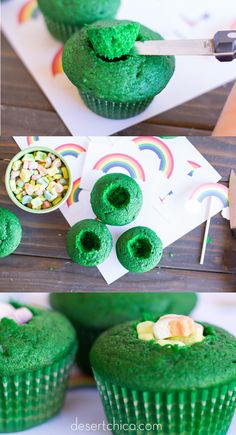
x=25 y=109
x=41 y=263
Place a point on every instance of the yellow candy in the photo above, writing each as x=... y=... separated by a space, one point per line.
x=145 y=331
x=64 y=172
x=25 y=175
x=57 y=200
x=52 y=171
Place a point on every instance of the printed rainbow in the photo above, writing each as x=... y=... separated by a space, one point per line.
x=163 y=152
x=28 y=11
x=207 y=190
x=131 y=165
x=70 y=149
x=75 y=193
x=56 y=66
x=32 y=139
x=194 y=167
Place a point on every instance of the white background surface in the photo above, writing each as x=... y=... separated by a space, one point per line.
x=85 y=403
x=171 y=18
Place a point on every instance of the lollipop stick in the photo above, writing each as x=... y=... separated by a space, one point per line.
x=204 y=245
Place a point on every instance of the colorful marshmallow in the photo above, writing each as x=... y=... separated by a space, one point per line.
x=39 y=180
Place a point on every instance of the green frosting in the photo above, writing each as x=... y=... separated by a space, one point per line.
x=103 y=310
x=139 y=249
x=89 y=242
x=120 y=357
x=79 y=12
x=46 y=338
x=131 y=78
x=113 y=40
x=116 y=199
x=10 y=232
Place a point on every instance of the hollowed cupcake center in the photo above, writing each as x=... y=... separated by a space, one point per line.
x=90 y=241
x=118 y=197
x=140 y=247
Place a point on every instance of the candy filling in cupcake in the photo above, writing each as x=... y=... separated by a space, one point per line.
x=20 y=315
x=171 y=329
x=140 y=247
x=117 y=196
x=113 y=40
x=88 y=241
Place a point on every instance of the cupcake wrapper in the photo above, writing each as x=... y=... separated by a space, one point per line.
x=59 y=30
x=114 y=110
x=29 y=399
x=199 y=412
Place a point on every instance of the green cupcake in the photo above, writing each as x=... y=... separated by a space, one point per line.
x=10 y=232
x=93 y=313
x=65 y=17
x=89 y=242
x=185 y=386
x=139 y=249
x=116 y=88
x=116 y=199
x=37 y=350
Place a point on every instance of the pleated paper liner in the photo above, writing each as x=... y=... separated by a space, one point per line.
x=29 y=399
x=59 y=30
x=200 y=412
x=114 y=110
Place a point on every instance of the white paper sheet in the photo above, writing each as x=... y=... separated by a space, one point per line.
x=178 y=168
x=85 y=404
x=174 y=19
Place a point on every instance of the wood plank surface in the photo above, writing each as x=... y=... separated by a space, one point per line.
x=41 y=262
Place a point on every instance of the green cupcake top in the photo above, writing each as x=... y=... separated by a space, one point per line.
x=79 y=11
x=128 y=78
x=44 y=339
x=10 y=232
x=119 y=356
x=113 y=40
x=116 y=199
x=103 y=310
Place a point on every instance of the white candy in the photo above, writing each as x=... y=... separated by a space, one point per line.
x=19 y=315
x=161 y=329
x=6 y=310
x=23 y=315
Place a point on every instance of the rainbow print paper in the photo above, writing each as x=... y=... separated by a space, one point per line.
x=210 y=190
x=119 y=160
x=176 y=181
x=160 y=149
x=28 y=11
x=167 y=187
x=23 y=25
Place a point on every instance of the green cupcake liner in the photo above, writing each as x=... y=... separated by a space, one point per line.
x=61 y=31
x=114 y=110
x=199 y=412
x=31 y=398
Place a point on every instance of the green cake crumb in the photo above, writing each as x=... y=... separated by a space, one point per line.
x=113 y=40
